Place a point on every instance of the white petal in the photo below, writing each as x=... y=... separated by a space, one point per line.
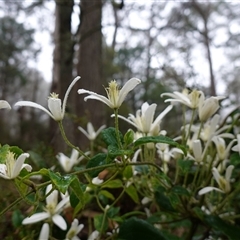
x=34 y=105
x=52 y=198
x=27 y=167
x=100 y=129
x=67 y=93
x=148 y=117
x=4 y=104
x=94 y=235
x=228 y=173
x=61 y=204
x=59 y=221
x=97 y=181
x=208 y=189
x=37 y=217
x=95 y=96
x=44 y=234
x=19 y=164
x=84 y=132
x=55 y=106
x=128 y=86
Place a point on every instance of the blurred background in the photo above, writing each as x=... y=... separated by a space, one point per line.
x=169 y=45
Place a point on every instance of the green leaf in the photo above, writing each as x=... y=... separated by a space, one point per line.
x=132 y=192
x=17 y=218
x=114 y=151
x=159 y=139
x=163 y=200
x=107 y=194
x=128 y=137
x=185 y=165
x=235 y=159
x=100 y=223
x=128 y=172
x=113 y=211
x=3 y=153
x=138 y=229
x=61 y=182
x=116 y=183
x=37 y=159
x=97 y=160
x=179 y=190
x=231 y=231
x=76 y=189
x=109 y=136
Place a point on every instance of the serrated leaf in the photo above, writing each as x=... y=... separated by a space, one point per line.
x=97 y=160
x=128 y=137
x=159 y=139
x=109 y=136
x=113 y=211
x=179 y=190
x=76 y=188
x=132 y=192
x=185 y=165
x=3 y=153
x=114 y=151
x=17 y=218
x=107 y=194
x=139 y=229
x=61 y=182
x=116 y=183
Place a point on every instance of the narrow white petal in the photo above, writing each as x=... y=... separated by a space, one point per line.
x=27 y=167
x=100 y=129
x=55 y=106
x=67 y=93
x=147 y=117
x=197 y=150
x=127 y=120
x=19 y=164
x=3 y=171
x=44 y=234
x=34 y=105
x=84 y=132
x=128 y=86
x=208 y=189
x=59 y=221
x=216 y=175
x=61 y=204
x=228 y=173
x=4 y=104
x=37 y=217
x=52 y=198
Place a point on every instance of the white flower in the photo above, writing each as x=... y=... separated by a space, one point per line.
x=97 y=181
x=223 y=182
x=94 y=235
x=237 y=147
x=144 y=119
x=57 y=110
x=207 y=107
x=115 y=97
x=44 y=234
x=74 y=230
x=90 y=133
x=68 y=163
x=12 y=166
x=197 y=150
x=188 y=98
x=51 y=211
x=222 y=150
x=4 y=104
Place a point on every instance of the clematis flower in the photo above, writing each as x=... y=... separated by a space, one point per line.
x=90 y=133
x=207 y=107
x=236 y=148
x=57 y=110
x=12 y=167
x=68 y=163
x=44 y=234
x=188 y=98
x=223 y=182
x=94 y=235
x=143 y=120
x=74 y=230
x=4 y=104
x=51 y=211
x=115 y=97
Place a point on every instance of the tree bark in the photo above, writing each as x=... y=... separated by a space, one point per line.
x=62 y=65
x=89 y=65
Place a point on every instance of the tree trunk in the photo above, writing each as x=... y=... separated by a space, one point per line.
x=89 y=65
x=62 y=66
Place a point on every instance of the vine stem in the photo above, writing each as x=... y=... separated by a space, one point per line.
x=68 y=142
x=117 y=128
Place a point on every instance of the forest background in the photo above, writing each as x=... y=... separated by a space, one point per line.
x=169 y=45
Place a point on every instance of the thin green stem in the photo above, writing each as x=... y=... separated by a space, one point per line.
x=68 y=142
x=117 y=128
x=190 y=125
